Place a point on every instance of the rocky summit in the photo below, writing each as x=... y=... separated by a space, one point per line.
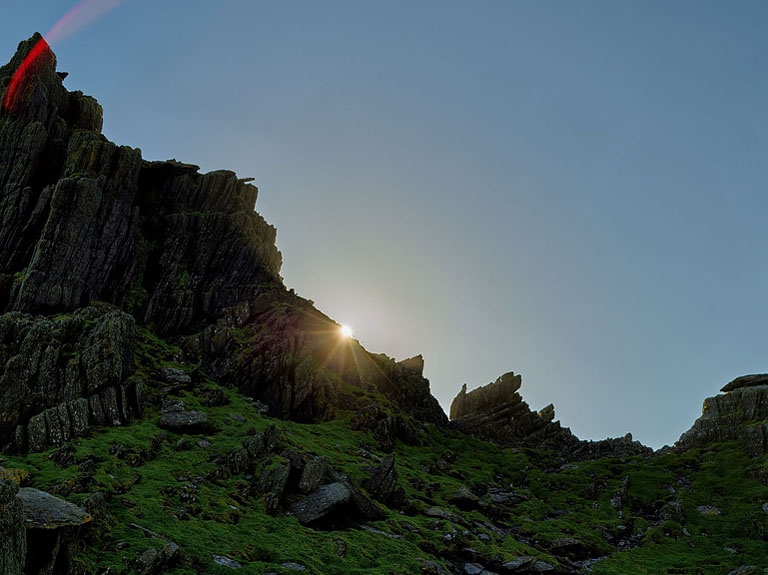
x=168 y=406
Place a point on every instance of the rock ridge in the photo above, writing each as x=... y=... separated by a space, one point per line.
x=84 y=221
x=497 y=412
x=740 y=414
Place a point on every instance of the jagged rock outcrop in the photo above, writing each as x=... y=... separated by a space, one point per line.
x=82 y=220
x=497 y=412
x=282 y=351
x=740 y=413
x=60 y=375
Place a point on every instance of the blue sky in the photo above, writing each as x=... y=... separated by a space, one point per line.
x=571 y=191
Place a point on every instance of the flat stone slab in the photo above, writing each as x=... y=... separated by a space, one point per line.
x=184 y=421
x=45 y=511
x=746 y=381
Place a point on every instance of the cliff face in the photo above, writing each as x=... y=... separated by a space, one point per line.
x=157 y=244
x=739 y=413
x=84 y=219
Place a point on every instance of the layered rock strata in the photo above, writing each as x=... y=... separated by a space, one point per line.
x=497 y=411
x=739 y=413
x=83 y=220
x=60 y=375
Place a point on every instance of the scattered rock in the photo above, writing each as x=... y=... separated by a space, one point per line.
x=184 y=422
x=439 y=513
x=477 y=569
x=501 y=496
x=708 y=510
x=321 y=502
x=431 y=567
x=383 y=483
x=226 y=562
x=45 y=511
x=520 y=564
x=745 y=570
x=380 y=532
x=154 y=561
x=314 y=474
x=293 y=566
x=174 y=375
x=464 y=499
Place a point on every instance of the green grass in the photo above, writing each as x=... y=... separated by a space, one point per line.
x=151 y=478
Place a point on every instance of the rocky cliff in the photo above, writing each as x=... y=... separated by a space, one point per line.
x=158 y=244
x=739 y=413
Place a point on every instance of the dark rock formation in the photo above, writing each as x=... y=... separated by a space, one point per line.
x=738 y=414
x=60 y=375
x=746 y=381
x=184 y=421
x=383 y=484
x=13 y=541
x=82 y=219
x=45 y=511
x=496 y=411
x=296 y=362
x=321 y=502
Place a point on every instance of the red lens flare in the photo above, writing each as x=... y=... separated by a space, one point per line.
x=79 y=16
x=27 y=66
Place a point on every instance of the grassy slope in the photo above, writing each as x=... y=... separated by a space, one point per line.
x=149 y=479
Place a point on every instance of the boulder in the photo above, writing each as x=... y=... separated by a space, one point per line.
x=382 y=485
x=52 y=526
x=184 y=421
x=45 y=511
x=321 y=502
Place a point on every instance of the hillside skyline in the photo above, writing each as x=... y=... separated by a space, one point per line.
x=527 y=188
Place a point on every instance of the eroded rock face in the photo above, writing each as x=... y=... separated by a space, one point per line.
x=296 y=362
x=13 y=541
x=738 y=414
x=83 y=219
x=60 y=375
x=497 y=411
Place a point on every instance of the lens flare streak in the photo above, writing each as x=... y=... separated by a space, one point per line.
x=84 y=13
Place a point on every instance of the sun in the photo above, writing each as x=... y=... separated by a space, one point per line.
x=346 y=331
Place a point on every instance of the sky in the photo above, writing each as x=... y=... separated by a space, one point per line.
x=573 y=191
